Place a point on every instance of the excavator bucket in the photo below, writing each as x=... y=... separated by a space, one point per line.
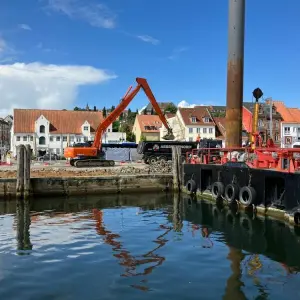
x=169 y=136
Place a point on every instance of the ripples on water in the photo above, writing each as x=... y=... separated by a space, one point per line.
x=141 y=247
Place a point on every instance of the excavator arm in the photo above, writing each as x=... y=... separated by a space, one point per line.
x=142 y=83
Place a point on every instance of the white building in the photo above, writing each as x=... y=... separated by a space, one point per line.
x=290 y=134
x=188 y=123
x=54 y=130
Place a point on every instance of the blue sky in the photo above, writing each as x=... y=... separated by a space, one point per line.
x=179 y=46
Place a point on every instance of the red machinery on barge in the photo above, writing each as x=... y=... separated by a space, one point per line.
x=253 y=175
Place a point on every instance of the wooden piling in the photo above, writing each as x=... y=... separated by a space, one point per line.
x=27 y=163
x=20 y=170
x=177 y=168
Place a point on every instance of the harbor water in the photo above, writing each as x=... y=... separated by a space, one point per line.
x=149 y=246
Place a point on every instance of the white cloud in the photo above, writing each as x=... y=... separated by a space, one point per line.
x=148 y=39
x=176 y=52
x=96 y=14
x=25 y=26
x=36 y=85
x=185 y=104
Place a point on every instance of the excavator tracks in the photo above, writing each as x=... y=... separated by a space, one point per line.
x=88 y=163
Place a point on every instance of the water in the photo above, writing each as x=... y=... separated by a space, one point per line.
x=143 y=247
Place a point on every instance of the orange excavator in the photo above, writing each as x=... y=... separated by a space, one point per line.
x=92 y=155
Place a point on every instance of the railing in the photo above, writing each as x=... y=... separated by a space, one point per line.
x=283 y=160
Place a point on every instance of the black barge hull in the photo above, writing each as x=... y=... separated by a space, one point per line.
x=236 y=182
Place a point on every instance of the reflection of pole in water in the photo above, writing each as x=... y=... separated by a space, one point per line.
x=177 y=221
x=234 y=283
x=23 y=225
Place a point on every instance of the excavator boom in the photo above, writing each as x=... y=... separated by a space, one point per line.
x=142 y=83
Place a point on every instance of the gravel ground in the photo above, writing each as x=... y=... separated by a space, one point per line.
x=63 y=171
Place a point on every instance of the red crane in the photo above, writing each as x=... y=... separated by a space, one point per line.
x=93 y=156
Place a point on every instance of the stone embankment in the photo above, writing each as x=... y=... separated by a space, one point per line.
x=50 y=181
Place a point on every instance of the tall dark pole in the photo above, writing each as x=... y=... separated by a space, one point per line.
x=235 y=73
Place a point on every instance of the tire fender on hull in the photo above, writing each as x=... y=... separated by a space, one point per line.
x=247 y=195
x=231 y=192
x=191 y=186
x=217 y=189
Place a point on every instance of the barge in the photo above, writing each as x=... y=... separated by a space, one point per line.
x=264 y=179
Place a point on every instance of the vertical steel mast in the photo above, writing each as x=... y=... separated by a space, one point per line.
x=235 y=73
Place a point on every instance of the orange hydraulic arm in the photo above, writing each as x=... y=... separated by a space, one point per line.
x=142 y=83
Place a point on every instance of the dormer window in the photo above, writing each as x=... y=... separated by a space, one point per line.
x=42 y=129
x=85 y=128
x=206 y=120
x=194 y=120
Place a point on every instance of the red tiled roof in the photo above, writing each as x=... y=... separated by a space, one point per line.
x=220 y=123
x=289 y=115
x=61 y=121
x=199 y=112
x=149 y=120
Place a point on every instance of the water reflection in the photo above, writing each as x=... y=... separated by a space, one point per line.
x=259 y=251
x=23 y=224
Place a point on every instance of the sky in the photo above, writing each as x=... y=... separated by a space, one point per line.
x=58 y=54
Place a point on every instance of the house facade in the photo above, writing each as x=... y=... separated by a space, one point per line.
x=54 y=130
x=188 y=123
x=5 y=132
x=290 y=125
x=147 y=127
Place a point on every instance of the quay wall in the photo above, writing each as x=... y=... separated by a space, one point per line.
x=88 y=185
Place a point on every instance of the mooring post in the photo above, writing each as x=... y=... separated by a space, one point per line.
x=27 y=163
x=175 y=169
x=20 y=224
x=20 y=170
x=180 y=168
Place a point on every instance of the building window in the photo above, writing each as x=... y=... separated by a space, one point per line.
x=260 y=123
x=287 y=130
x=72 y=139
x=24 y=138
x=58 y=138
x=57 y=151
x=204 y=130
x=108 y=130
x=42 y=140
x=86 y=128
x=85 y=139
x=51 y=138
x=194 y=120
x=198 y=130
x=190 y=130
x=78 y=139
x=64 y=138
x=210 y=130
x=31 y=138
x=276 y=137
x=206 y=120
x=276 y=124
x=190 y=139
x=18 y=138
x=42 y=129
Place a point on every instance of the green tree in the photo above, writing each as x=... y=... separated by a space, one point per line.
x=130 y=136
x=115 y=126
x=129 y=111
x=170 y=108
x=121 y=116
x=112 y=108
x=95 y=108
x=76 y=108
x=143 y=138
x=104 y=112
